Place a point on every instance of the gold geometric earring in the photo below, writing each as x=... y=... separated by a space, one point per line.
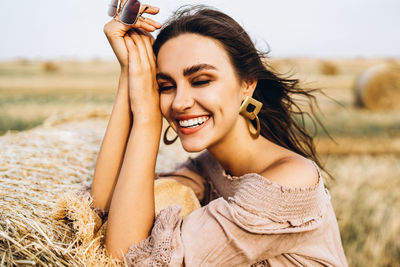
x=165 y=139
x=250 y=108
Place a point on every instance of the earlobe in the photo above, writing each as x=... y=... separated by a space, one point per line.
x=249 y=86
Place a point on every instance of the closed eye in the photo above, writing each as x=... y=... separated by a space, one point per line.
x=165 y=85
x=201 y=83
x=165 y=88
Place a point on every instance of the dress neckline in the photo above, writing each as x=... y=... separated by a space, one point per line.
x=265 y=180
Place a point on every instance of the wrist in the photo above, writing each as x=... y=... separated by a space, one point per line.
x=146 y=107
x=148 y=127
x=124 y=70
x=148 y=119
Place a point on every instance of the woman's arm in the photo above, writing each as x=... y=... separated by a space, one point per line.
x=132 y=210
x=112 y=148
x=115 y=139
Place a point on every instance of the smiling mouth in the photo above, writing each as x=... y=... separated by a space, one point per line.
x=193 y=123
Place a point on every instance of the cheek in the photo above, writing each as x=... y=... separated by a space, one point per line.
x=226 y=97
x=165 y=104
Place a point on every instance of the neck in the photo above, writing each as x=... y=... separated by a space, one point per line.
x=239 y=152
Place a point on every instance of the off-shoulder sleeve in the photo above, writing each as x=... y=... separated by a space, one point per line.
x=239 y=231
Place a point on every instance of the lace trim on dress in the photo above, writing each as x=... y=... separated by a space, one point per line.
x=156 y=250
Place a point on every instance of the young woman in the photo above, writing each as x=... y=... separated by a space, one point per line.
x=263 y=199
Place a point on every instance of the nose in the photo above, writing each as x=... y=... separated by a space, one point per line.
x=183 y=99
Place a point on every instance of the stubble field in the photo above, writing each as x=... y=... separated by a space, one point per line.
x=364 y=159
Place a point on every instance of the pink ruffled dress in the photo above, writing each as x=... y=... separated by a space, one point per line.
x=244 y=221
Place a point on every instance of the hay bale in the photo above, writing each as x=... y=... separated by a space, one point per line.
x=328 y=68
x=50 y=66
x=36 y=168
x=43 y=221
x=378 y=88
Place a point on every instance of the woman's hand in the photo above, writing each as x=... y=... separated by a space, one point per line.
x=143 y=86
x=115 y=32
x=135 y=183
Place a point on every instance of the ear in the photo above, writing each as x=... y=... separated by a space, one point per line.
x=248 y=87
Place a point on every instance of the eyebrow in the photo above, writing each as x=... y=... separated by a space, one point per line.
x=164 y=76
x=188 y=71
x=195 y=68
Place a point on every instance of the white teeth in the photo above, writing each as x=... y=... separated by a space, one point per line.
x=193 y=122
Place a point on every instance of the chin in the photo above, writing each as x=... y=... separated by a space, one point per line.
x=193 y=146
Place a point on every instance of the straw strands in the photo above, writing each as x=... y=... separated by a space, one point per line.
x=378 y=88
x=36 y=168
x=45 y=174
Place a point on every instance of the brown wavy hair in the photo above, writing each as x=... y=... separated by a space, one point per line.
x=281 y=119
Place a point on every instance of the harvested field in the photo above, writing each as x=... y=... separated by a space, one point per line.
x=37 y=165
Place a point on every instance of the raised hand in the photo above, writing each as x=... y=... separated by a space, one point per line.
x=115 y=32
x=143 y=87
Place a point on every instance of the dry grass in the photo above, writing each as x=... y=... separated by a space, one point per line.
x=72 y=77
x=33 y=173
x=43 y=220
x=29 y=95
x=36 y=168
x=366 y=203
x=370 y=146
x=41 y=164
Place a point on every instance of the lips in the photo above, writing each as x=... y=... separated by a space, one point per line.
x=193 y=122
x=188 y=117
x=193 y=118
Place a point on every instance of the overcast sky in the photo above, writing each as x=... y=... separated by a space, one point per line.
x=73 y=29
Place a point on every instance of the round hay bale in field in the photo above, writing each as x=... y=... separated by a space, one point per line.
x=378 y=88
x=45 y=220
x=328 y=68
x=50 y=66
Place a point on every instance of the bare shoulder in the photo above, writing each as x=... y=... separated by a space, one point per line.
x=292 y=171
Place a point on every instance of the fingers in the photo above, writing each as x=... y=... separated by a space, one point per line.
x=146 y=24
x=143 y=41
x=132 y=51
x=143 y=22
x=151 y=22
x=149 y=9
x=148 y=42
x=141 y=55
x=139 y=46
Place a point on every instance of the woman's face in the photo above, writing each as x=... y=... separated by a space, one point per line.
x=200 y=93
